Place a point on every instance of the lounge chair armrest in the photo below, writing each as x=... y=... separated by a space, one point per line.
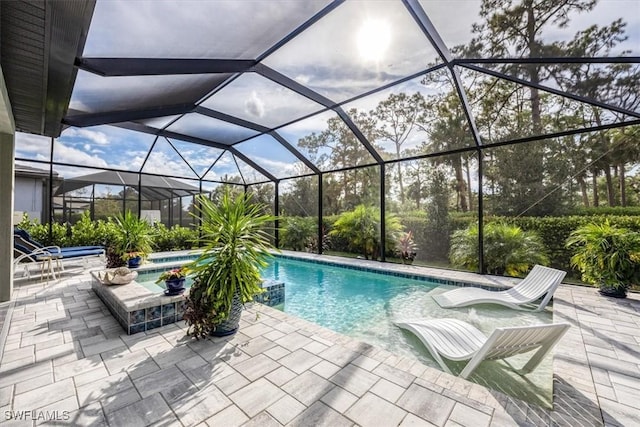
x=35 y=253
x=22 y=257
x=53 y=249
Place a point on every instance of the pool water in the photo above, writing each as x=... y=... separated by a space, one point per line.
x=148 y=280
x=364 y=305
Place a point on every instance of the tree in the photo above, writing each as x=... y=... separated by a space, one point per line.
x=337 y=148
x=263 y=195
x=418 y=173
x=626 y=142
x=449 y=130
x=614 y=84
x=229 y=186
x=397 y=117
x=514 y=28
x=438 y=226
x=107 y=206
x=300 y=197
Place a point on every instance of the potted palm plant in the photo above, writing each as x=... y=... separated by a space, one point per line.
x=134 y=238
x=607 y=256
x=227 y=273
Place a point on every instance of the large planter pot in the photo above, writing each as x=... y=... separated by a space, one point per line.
x=614 y=292
x=174 y=286
x=134 y=262
x=231 y=325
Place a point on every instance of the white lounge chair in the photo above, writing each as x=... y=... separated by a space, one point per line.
x=540 y=282
x=458 y=340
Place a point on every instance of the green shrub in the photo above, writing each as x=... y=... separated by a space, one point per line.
x=40 y=232
x=86 y=232
x=298 y=232
x=554 y=232
x=507 y=249
x=606 y=255
x=175 y=238
x=608 y=210
x=361 y=229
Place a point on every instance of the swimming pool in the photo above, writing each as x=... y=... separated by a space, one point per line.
x=364 y=305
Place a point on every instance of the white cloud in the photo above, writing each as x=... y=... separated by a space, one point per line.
x=254 y=105
x=162 y=164
x=133 y=161
x=32 y=146
x=98 y=138
x=279 y=168
x=65 y=154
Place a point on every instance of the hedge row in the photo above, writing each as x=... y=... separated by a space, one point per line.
x=86 y=232
x=553 y=231
x=433 y=245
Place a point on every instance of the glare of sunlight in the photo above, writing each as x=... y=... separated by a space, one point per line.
x=373 y=39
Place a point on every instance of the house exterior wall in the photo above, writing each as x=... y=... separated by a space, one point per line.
x=7 y=167
x=29 y=197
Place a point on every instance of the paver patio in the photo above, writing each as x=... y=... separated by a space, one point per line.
x=63 y=351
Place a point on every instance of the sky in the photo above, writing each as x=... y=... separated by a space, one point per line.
x=332 y=57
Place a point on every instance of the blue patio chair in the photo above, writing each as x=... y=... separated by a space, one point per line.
x=27 y=237
x=58 y=254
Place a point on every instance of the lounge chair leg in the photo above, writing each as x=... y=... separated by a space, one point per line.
x=538 y=356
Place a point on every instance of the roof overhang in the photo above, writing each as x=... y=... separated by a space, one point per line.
x=39 y=42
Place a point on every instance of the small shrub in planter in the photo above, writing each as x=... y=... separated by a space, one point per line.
x=134 y=236
x=174 y=280
x=607 y=256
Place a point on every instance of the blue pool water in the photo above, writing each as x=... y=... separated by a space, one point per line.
x=341 y=299
x=364 y=305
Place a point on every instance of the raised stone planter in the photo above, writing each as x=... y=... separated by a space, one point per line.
x=138 y=309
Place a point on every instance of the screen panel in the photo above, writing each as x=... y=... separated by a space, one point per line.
x=157 y=29
x=103 y=146
x=259 y=100
x=357 y=47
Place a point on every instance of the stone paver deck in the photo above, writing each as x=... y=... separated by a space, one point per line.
x=64 y=353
